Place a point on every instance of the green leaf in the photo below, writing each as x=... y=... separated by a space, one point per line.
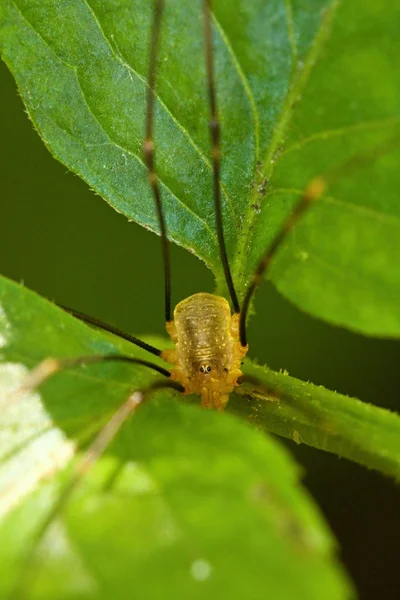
x=185 y=503
x=303 y=89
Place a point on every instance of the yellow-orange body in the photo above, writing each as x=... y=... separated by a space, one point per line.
x=207 y=352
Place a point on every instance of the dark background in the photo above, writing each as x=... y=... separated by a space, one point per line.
x=70 y=246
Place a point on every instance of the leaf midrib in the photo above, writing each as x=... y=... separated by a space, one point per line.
x=295 y=88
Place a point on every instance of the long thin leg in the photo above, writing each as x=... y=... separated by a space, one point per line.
x=92 y=454
x=313 y=192
x=48 y=367
x=106 y=327
x=149 y=151
x=216 y=152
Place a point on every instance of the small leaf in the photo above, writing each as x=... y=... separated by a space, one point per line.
x=304 y=89
x=184 y=503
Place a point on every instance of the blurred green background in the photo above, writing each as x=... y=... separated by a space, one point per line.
x=67 y=244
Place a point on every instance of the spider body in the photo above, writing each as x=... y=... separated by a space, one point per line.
x=208 y=351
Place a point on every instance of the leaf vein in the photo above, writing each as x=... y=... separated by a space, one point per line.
x=74 y=69
x=363 y=210
x=347 y=129
x=119 y=57
x=291 y=31
x=246 y=86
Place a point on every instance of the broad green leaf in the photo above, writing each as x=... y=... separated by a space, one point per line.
x=185 y=503
x=305 y=88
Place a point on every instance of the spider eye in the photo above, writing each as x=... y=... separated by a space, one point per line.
x=208 y=368
x=205 y=368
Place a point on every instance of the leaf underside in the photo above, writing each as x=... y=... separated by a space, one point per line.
x=304 y=89
x=184 y=503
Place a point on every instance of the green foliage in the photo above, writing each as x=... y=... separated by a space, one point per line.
x=321 y=418
x=303 y=89
x=185 y=502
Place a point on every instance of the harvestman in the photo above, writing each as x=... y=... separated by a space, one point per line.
x=209 y=341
